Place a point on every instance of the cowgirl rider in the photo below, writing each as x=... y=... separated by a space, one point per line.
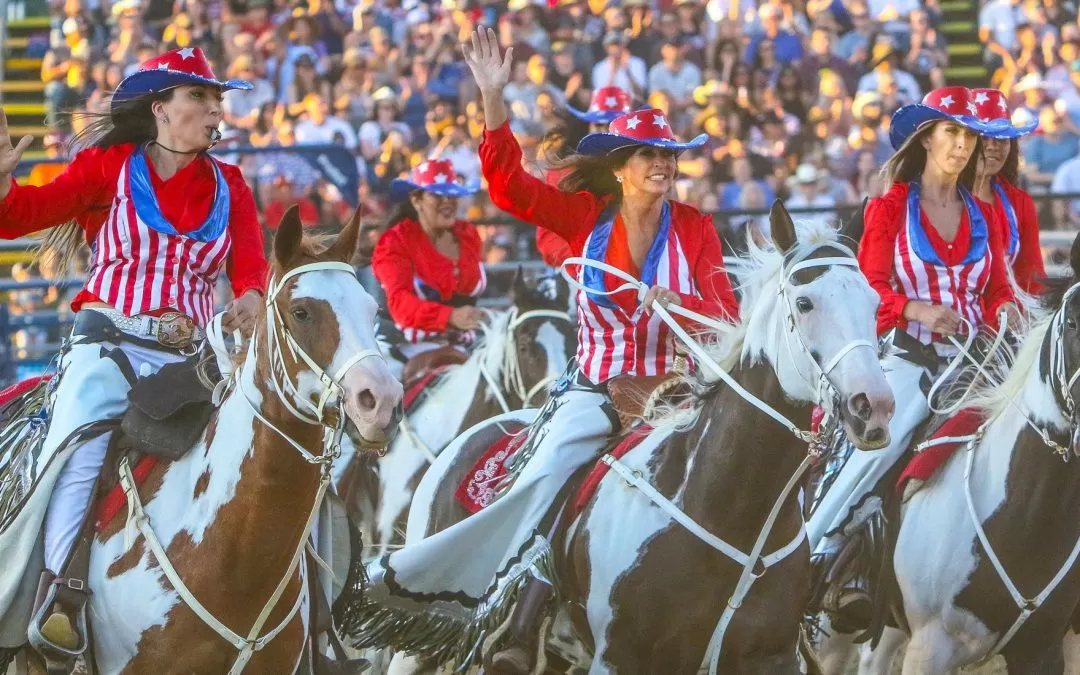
x=615 y=209
x=430 y=264
x=163 y=219
x=935 y=255
x=996 y=181
x=561 y=142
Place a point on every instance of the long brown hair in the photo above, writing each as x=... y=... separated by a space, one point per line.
x=908 y=163
x=595 y=174
x=1010 y=170
x=562 y=139
x=129 y=121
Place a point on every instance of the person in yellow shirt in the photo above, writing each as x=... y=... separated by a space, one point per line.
x=44 y=173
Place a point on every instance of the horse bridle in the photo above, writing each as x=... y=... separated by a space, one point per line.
x=1060 y=381
x=824 y=387
x=513 y=379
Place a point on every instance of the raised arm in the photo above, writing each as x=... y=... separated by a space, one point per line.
x=513 y=189
x=26 y=209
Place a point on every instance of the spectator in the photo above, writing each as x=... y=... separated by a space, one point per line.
x=926 y=56
x=318 y=127
x=1067 y=181
x=620 y=68
x=241 y=107
x=55 y=150
x=997 y=30
x=807 y=193
x=819 y=58
x=786 y=45
x=885 y=63
x=741 y=177
x=1046 y=150
x=674 y=74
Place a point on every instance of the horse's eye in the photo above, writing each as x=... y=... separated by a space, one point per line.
x=1070 y=323
x=804 y=305
x=300 y=314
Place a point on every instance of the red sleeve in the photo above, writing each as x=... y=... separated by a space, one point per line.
x=882 y=225
x=393 y=267
x=247 y=267
x=553 y=248
x=717 y=297
x=524 y=196
x=89 y=180
x=998 y=289
x=473 y=279
x=1029 y=261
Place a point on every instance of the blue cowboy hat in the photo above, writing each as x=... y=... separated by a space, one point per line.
x=647 y=126
x=956 y=104
x=172 y=69
x=436 y=176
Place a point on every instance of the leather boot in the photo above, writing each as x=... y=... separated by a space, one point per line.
x=518 y=658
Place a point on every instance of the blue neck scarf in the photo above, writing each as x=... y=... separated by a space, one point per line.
x=149 y=211
x=1010 y=215
x=593 y=278
x=919 y=241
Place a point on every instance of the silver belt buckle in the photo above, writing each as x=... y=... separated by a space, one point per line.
x=175 y=330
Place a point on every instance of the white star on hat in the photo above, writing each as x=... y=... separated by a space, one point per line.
x=659 y=121
x=971 y=108
x=162 y=66
x=633 y=122
x=187 y=53
x=610 y=101
x=981 y=97
x=1002 y=104
x=441 y=178
x=947 y=101
x=423 y=167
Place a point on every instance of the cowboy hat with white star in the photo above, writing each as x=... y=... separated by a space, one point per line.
x=945 y=103
x=607 y=104
x=648 y=126
x=433 y=175
x=994 y=110
x=172 y=69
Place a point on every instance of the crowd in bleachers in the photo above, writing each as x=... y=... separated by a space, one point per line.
x=795 y=97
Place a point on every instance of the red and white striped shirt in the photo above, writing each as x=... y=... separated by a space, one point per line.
x=91 y=190
x=138 y=270
x=615 y=337
x=612 y=340
x=905 y=260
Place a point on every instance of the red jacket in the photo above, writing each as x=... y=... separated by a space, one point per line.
x=884 y=217
x=1028 y=267
x=572 y=216
x=553 y=248
x=405 y=256
x=84 y=192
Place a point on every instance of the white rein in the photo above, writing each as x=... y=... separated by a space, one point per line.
x=285 y=389
x=634 y=478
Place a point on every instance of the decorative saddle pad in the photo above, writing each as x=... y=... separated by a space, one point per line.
x=592 y=480
x=925 y=464
x=477 y=490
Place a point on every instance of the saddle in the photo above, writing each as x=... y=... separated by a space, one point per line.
x=422 y=364
x=635 y=397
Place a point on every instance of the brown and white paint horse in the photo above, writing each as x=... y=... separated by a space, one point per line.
x=1024 y=497
x=521 y=351
x=642 y=592
x=231 y=513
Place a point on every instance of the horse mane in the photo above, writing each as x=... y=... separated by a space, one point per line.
x=761 y=269
x=492 y=348
x=993 y=398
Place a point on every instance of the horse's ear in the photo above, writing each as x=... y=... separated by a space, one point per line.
x=783 y=229
x=344 y=247
x=290 y=233
x=852 y=230
x=1074 y=257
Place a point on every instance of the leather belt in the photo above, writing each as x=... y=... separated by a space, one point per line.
x=171 y=330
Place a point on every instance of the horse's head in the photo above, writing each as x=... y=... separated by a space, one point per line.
x=540 y=335
x=827 y=315
x=1062 y=362
x=322 y=323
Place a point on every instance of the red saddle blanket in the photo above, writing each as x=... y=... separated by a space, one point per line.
x=477 y=489
x=9 y=394
x=417 y=387
x=592 y=481
x=925 y=464
x=112 y=503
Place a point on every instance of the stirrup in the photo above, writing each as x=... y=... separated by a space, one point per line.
x=49 y=629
